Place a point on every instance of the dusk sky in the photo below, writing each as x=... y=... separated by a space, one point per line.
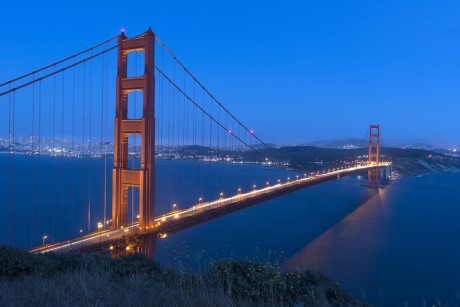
x=293 y=71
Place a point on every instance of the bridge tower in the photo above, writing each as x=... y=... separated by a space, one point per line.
x=374 y=155
x=142 y=178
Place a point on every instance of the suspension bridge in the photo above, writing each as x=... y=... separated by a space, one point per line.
x=112 y=159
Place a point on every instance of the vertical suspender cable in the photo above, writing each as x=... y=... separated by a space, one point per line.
x=73 y=153
x=62 y=155
x=83 y=144
x=90 y=138
x=53 y=186
x=33 y=188
x=102 y=142
x=106 y=130
x=39 y=156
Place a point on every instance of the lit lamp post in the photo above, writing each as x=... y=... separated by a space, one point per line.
x=267 y=183
x=200 y=200
x=99 y=226
x=239 y=193
x=254 y=187
x=173 y=207
x=81 y=241
x=44 y=238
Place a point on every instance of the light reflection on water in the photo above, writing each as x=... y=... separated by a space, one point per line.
x=400 y=246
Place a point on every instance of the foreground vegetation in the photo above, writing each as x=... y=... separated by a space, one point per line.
x=97 y=280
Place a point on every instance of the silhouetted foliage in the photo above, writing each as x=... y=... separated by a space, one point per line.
x=95 y=279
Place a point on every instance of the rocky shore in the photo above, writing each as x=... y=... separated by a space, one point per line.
x=425 y=165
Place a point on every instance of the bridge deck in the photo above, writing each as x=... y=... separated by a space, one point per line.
x=181 y=219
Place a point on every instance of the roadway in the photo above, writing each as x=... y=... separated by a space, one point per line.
x=180 y=219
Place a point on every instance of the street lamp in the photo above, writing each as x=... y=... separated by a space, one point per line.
x=173 y=207
x=44 y=238
x=99 y=226
x=289 y=178
x=267 y=183
x=254 y=187
x=200 y=200
x=221 y=195
x=279 y=180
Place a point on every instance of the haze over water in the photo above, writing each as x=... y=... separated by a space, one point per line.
x=393 y=245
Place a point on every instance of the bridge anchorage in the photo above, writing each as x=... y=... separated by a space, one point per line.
x=123 y=236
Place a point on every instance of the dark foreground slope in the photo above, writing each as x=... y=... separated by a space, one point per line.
x=97 y=280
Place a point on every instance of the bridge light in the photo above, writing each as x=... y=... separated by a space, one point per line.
x=44 y=238
x=267 y=183
x=221 y=195
x=289 y=178
x=239 y=190
x=173 y=207
x=200 y=200
x=279 y=180
x=254 y=187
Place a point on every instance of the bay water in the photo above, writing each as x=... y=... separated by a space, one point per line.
x=394 y=246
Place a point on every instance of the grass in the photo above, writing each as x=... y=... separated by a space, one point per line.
x=97 y=280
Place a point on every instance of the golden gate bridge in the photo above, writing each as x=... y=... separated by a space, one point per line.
x=64 y=114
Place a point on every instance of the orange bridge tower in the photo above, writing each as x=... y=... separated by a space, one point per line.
x=142 y=178
x=374 y=155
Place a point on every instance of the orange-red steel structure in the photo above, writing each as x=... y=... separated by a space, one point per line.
x=144 y=177
x=374 y=154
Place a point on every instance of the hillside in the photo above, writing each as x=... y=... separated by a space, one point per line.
x=134 y=280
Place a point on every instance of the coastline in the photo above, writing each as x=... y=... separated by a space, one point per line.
x=405 y=167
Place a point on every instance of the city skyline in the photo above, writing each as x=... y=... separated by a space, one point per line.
x=313 y=71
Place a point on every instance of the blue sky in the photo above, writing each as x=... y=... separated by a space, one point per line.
x=293 y=71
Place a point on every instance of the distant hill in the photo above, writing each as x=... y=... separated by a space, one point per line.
x=339 y=144
x=406 y=161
